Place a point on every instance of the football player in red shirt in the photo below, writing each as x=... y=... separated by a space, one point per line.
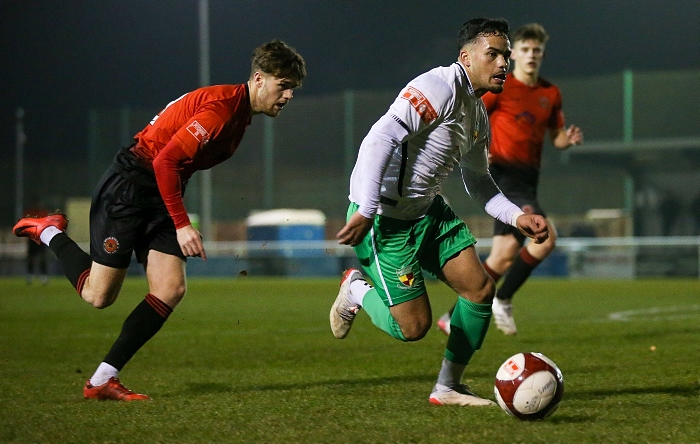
x=520 y=117
x=137 y=208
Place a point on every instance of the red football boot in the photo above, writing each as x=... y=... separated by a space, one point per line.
x=32 y=226
x=112 y=389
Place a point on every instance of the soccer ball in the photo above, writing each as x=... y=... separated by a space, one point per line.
x=529 y=386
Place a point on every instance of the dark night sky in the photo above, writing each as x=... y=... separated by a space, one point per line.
x=60 y=58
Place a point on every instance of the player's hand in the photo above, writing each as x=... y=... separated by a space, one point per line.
x=190 y=241
x=355 y=230
x=574 y=135
x=533 y=226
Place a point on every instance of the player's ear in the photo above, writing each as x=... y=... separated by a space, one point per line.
x=464 y=57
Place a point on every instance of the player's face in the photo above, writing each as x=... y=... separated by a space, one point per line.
x=272 y=93
x=528 y=55
x=487 y=62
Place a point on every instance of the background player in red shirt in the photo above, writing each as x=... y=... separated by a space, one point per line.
x=137 y=207
x=520 y=116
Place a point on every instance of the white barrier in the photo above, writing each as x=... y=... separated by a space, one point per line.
x=610 y=257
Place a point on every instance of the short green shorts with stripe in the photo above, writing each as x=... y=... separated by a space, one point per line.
x=395 y=252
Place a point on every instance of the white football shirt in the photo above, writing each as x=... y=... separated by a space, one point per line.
x=434 y=123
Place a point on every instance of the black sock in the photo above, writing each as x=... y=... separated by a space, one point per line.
x=140 y=326
x=517 y=275
x=75 y=262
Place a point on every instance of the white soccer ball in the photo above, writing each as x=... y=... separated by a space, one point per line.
x=529 y=386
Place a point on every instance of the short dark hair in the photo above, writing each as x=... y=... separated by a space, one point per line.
x=481 y=26
x=280 y=60
x=531 y=31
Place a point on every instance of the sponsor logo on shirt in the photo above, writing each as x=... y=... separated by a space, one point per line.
x=197 y=131
x=421 y=104
x=525 y=117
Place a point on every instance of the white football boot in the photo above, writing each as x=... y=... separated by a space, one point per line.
x=503 y=315
x=458 y=395
x=343 y=311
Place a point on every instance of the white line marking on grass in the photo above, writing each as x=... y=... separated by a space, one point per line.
x=656 y=313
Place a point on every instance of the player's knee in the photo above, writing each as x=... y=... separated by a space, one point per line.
x=415 y=331
x=98 y=300
x=485 y=294
x=174 y=295
x=505 y=263
x=179 y=294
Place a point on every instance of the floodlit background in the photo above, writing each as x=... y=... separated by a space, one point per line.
x=89 y=75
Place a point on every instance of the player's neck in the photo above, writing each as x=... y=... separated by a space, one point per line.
x=530 y=79
x=252 y=93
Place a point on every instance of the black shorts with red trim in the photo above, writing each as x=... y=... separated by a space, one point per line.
x=128 y=215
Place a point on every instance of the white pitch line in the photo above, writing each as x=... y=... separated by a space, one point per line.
x=674 y=312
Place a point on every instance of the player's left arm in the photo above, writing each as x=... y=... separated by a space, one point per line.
x=181 y=148
x=562 y=137
x=166 y=168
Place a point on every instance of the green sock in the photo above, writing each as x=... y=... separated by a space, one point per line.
x=380 y=315
x=469 y=324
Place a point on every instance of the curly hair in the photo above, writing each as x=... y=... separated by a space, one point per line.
x=481 y=27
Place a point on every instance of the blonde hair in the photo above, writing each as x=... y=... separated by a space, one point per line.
x=531 y=31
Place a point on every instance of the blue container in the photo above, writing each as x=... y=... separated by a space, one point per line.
x=290 y=226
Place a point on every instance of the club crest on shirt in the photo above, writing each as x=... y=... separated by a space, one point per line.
x=420 y=103
x=407 y=276
x=544 y=102
x=110 y=244
x=197 y=131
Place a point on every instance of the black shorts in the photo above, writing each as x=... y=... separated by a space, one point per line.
x=520 y=186
x=129 y=215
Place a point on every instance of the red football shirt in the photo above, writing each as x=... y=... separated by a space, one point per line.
x=519 y=118
x=194 y=132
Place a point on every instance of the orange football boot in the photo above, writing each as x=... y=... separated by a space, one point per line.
x=112 y=389
x=32 y=226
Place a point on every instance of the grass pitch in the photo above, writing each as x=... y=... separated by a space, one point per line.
x=253 y=360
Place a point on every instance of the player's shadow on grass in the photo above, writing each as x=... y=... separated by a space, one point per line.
x=201 y=388
x=690 y=390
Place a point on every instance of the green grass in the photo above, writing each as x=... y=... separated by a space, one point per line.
x=253 y=360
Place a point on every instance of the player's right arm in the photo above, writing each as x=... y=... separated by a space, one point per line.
x=413 y=111
x=375 y=154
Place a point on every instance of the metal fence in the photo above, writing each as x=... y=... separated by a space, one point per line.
x=642 y=145
x=599 y=258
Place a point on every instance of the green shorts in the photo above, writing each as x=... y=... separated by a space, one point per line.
x=395 y=252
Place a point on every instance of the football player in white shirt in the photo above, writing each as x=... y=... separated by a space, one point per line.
x=400 y=226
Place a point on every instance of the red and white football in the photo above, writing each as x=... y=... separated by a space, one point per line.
x=529 y=386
